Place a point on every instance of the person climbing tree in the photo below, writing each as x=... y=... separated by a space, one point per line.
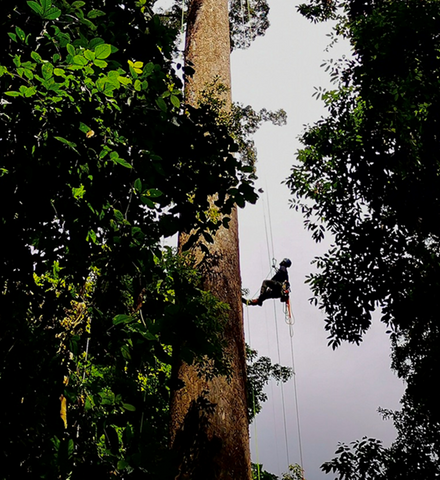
x=277 y=287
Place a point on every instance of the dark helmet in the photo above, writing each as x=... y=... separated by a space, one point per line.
x=286 y=262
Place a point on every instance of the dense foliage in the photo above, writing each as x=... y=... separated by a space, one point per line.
x=259 y=372
x=258 y=473
x=369 y=174
x=100 y=161
x=295 y=473
x=248 y=19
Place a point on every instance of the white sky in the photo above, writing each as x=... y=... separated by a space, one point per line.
x=338 y=391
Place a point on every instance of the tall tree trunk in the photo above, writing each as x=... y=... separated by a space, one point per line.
x=209 y=427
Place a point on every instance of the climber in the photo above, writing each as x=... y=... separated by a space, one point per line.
x=277 y=287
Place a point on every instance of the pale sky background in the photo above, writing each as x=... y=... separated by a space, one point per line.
x=339 y=391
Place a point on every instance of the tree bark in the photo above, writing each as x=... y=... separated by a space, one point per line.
x=209 y=424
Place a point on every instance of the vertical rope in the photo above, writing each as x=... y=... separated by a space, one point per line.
x=281 y=385
x=266 y=229
x=290 y=320
x=182 y=18
x=270 y=249
x=253 y=402
x=295 y=393
x=270 y=223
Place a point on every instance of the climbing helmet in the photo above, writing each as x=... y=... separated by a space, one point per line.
x=286 y=262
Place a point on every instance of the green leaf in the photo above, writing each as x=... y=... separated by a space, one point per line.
x=146 y=201
x=47 y=70
x=13 y=36
x=91 y=235
x=29 y=74
x=70 y=49
x=67 y=142
x=118 y=319
x=118 y=215
x=123 y=464
x=89 y=55
x=138 y=185
x=36 y=7
x=150 y=336
x=78 y=4
x=80 y=60
x=36 y=56
x=124 y=80
x=84 y=128
x=122 y=162
x=153 y=192
x=148 y=69
x=161 y=104
x=28 y=91
x=95 y=13
x=70 y=448
x=21 y=35
x=108 y=398
x=79 y=192
x=13 y=94
x=175 y=101
x=130 y=408
x=95 y=42
x=52 y=13
x=87 y=22
x=100 y=63
x=103 y=51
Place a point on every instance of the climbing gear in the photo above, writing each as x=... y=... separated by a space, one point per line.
x=255 y=301
x=285 y=291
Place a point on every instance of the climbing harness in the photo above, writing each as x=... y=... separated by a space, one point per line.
x=285 y=292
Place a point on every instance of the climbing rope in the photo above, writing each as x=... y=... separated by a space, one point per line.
x=253 y=404
x=295 y=394
x=283 y=403
x=290 y=320
x=182 y=19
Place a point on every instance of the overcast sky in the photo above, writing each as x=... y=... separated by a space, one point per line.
x=338 y=391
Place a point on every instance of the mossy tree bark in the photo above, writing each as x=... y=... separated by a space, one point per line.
x=209 y=427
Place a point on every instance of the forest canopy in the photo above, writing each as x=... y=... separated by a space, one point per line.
x=101 y=160
x=369 y=175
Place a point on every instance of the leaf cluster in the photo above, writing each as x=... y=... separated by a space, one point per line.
x=259 y=372
x=258 y=473
x=248 y=20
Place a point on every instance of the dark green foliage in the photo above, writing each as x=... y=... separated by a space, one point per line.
x=244 y=121
x=259 y=474
x=259 y=373
x=295 y=473
x=363 y=459
x=248 y=19
x=100 y=160
x=414 y=454
x=369 y=174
